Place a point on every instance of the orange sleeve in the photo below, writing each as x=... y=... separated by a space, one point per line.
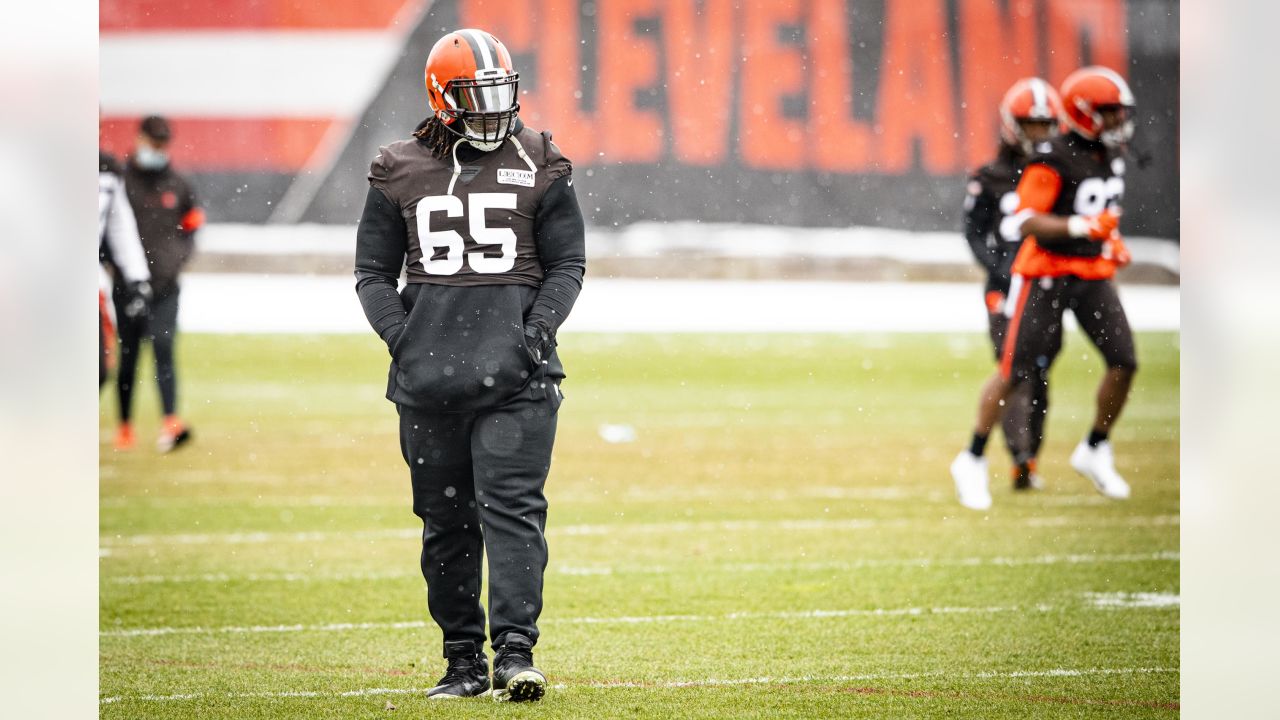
x=193 y=220
x=1038 y=188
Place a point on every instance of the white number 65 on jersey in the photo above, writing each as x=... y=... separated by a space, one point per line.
x=453 y=243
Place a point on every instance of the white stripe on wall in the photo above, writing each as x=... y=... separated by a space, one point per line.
x=244 y=74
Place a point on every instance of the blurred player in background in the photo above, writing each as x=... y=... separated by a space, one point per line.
x=118 y=241
x=480 y=210
x=1068 y=212
x=1029 y=116
x=168 y=217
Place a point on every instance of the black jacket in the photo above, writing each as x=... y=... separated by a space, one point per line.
x=168 y=217
x=466 y=334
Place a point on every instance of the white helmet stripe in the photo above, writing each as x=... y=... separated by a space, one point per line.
x=1039 y=99
x=478 y=40
x=1126 y=95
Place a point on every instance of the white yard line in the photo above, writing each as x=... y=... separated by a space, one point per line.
x=671 y=684
x=1133 y=600
x=816 y=614
x=736 y=567
x=123 y=541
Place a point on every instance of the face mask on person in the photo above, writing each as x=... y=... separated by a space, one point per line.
x=149 y=158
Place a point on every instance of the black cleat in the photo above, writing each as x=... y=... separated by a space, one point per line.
x=170 y=441
x=467 y=674
x=1026 y=478
x=515 y=679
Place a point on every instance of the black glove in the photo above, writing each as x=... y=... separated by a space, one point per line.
x=539 y=343
x=138 y=299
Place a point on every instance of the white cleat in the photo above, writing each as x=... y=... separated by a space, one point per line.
x=970 y=474
x=1099 y=465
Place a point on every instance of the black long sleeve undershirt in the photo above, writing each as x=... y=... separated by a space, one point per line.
x=979 y=223
x=381 y=243
x=561 y=239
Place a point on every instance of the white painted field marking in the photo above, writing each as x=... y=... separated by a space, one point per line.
x=247 y=303
x=1076 y=559
x=668 y=684
x=1133 y=600
x=617 y=620
x=120 y=541
x=736 y=567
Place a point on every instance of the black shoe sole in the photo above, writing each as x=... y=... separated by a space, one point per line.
x=460 y=694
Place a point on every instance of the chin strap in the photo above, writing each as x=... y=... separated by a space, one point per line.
x=523 y=156
x=457 y=167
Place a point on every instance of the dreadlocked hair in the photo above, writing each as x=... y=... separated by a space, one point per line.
x=436 y=136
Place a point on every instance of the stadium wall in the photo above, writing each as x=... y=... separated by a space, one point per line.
x=802 y=113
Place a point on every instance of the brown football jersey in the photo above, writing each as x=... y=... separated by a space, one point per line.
x=471 y=223
x=1092 y=181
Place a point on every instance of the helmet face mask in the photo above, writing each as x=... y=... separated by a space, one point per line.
x=472 y=88
x=1030 y=102
x=1116 y=132
x=482 y=110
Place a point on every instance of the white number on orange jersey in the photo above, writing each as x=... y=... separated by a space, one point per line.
x=1095 y=195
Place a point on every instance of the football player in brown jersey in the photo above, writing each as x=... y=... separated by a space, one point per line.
x=1068 y=214
x=479 y=210
x=1030 y=114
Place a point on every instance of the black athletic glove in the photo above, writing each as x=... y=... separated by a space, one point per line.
x=539 y=343
x=139 y=299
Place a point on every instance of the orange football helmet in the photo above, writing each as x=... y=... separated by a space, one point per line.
x=472 y=87
x=1086 y=93
x=1029 y=99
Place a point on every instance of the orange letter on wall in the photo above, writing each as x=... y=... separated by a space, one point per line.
x=508 y=20
x=842 y=145
x=558 y=102
x=995 y=51
x=1103 y=21
x=772 y=70
x=700 y=67
x=628 y=64
x=915 y=98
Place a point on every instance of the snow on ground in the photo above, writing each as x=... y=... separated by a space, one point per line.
x=243 y=303
x=682 y=239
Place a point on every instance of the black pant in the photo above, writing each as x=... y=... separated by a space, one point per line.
x=1027 y=406
x=477 y=485
x=160 y=326
x=1035 y=311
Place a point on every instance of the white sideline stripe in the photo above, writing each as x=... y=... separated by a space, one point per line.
x=120 y=541
x=249 y=303
x=589 y=570
x=619 y=620
x=699 y=241
x=670 y=684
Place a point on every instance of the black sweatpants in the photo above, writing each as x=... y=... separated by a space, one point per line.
x=160 y=326
x=1027 y=406
x=477 y=485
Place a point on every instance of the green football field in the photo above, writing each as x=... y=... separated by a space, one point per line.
x=779 y=540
